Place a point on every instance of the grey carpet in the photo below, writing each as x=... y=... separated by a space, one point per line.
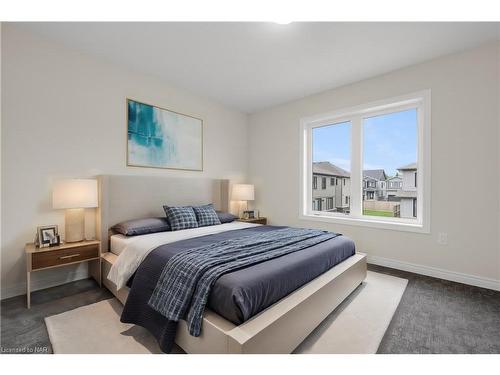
x=439 y=316
x=434 y=316
x=24 y=331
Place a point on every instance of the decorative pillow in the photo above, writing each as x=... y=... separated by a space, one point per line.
x=142 y=226
x=226 y=217
x=206 y=215
x=181 y=217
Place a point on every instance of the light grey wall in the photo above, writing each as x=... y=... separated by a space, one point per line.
x=464 y=140
x=409 y=181
x=64 y=116
x=319 y=192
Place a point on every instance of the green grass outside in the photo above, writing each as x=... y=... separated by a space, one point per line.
x=378 y=213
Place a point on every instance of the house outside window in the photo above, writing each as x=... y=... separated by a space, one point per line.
x=335 y=194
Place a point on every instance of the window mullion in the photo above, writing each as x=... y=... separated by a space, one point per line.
x=356 y=166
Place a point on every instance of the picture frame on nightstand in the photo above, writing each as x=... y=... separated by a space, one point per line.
x=47 y=236
x=250 y=214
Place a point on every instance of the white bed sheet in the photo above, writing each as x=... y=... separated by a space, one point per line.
x=118 y=242
x=132 y=251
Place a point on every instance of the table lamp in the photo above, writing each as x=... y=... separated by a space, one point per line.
x=74 y=195
x=243 y=193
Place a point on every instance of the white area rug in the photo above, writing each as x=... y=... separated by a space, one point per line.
x=356 y=326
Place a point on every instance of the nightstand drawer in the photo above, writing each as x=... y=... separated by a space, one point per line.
x=257 y=220
x=260 y=220
x=59 y=257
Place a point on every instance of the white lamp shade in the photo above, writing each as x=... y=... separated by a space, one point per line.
x=243 y=192
x=75 y=193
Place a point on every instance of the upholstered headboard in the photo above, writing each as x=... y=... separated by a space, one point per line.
x=131 y=197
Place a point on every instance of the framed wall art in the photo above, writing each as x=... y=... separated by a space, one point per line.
x=160 y=138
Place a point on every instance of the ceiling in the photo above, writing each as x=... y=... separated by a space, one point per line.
x=253 y=66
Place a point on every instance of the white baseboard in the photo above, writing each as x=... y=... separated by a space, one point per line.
x=44 y=282
x=439 y=273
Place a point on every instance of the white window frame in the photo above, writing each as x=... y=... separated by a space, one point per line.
x=422 y=102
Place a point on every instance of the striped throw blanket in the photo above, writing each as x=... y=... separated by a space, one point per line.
x=186 y=280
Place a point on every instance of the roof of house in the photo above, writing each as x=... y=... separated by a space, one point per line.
x=395 y=177
x=408 y=167
x=377 y=174
x=327 y=168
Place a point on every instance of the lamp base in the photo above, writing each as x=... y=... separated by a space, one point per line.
x=243 y=206
x=75 y=225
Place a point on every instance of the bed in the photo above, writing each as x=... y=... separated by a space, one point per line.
x=237 y=319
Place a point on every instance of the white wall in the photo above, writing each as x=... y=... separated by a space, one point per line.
x=64 y=116
x=1 y=127
x=465 y=144
x=498 y=147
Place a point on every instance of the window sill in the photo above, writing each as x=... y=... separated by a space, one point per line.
x=368 y=222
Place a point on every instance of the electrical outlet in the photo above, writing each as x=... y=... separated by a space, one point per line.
x=442 y=238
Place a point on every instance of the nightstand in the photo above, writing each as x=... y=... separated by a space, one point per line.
x=257 y=220
x=38 y=259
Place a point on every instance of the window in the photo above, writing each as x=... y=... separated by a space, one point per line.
x=318 y=204
x=390 y=145
x=332 y=181
x=329 y=203
x=366 y=147
x=315 y=182
x=323 y=183
x=331 y=155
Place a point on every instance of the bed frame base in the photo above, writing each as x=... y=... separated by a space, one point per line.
x=278 y=329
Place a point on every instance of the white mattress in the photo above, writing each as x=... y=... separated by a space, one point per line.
x=132 y=250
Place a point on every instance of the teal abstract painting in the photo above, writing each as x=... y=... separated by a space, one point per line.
x=160 y=138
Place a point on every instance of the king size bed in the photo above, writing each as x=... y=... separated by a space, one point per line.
x=268 y=302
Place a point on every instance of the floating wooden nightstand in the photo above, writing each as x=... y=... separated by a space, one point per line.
x=257 y=220
x=38 y=259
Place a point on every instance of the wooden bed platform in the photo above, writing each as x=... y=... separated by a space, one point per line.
x=278 y=329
